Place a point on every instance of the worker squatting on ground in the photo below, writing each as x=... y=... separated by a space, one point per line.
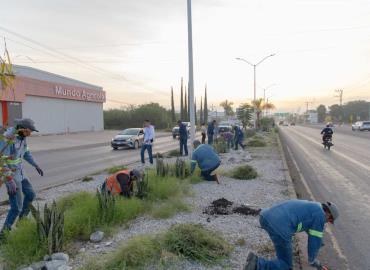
x=121 y=183
x=207 y=159
x=284 y=220
x=13 y=149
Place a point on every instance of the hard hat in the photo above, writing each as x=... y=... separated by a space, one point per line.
x=333 y=209
x=26 y=123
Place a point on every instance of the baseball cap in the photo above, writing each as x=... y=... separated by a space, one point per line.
x=26 y=123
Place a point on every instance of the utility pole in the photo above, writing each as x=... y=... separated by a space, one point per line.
x=340 y=96
x=307 y=104
x=191 y=77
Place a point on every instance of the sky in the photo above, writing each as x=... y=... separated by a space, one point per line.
x=137 y=50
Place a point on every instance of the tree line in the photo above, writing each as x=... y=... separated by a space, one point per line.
x=349 y=112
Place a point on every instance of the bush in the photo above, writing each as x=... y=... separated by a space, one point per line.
x=194 y=242
x=163 y=188
x=169 y=208
x=115 y=169
x=22 y=246
x=256 y=143
x=221 y=146
x=249 y=133
x=189 y=241
x=173 y=153
x=244 y=172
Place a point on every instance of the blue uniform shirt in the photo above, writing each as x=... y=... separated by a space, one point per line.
x=294 y=216
x=183 y=132
x=206 y=157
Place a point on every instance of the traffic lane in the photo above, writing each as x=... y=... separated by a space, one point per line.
x=65 y=166
x=355 y=150
x=345 y=129
x=61 y=167
x=332 y=178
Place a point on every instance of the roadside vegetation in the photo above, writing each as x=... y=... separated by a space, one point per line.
x=85 y=212
x=243 y=172
x=185 y=241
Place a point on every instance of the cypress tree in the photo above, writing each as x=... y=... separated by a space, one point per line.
x=195 y=111
x=201 y=111
x=205 y=108
x=186 y=106
x=172 y=107
x=182 y=102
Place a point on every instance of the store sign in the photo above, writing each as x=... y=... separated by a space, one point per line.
x=87 y=95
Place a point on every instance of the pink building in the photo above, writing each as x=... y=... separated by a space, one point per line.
x=57 y=104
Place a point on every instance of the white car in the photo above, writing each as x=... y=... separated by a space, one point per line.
x=361 y=126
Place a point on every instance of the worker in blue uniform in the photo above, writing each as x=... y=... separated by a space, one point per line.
x=285 y=219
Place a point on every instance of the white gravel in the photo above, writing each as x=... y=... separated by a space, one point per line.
x=269 y=188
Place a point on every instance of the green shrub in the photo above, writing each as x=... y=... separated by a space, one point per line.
x=244 y=172
x=189 y=241
x=194 y=242
x=22 y=246
x=221 y=146
x=249 y=133
x=169 y=208
x=173 y=153
x=256 y=143
x=115 y=169
x=162 y=188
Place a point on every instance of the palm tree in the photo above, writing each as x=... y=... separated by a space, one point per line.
x=268 y=106
x=258 y=106
x=227 y=105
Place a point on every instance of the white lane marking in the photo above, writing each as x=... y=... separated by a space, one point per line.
x=328 y=229
x=364 y=166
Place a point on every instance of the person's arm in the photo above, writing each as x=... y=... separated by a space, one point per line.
x=27 y=156
x=315 y=235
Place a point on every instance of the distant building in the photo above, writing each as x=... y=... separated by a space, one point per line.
x=57 y=104
x=312 y=117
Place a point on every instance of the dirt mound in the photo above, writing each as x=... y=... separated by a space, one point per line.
x=221 y=203
x=224 y=207
x=245 y=210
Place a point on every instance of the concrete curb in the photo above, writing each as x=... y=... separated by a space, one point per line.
x=301 y=241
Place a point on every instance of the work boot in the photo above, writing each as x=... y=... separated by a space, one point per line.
x=251 y=262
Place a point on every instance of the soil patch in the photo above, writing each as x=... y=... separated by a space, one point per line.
x=225 y=207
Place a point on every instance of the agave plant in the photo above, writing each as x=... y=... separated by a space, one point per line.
x=50 y=228
x=161 y=167
x=182 y=169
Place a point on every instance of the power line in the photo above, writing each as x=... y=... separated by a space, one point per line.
x=73 y=59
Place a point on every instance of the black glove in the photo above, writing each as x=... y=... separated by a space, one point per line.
x=40 y=172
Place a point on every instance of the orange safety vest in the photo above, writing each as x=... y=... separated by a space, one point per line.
x=112 y=183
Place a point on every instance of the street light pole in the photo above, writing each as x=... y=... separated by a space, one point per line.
x=191 y=77
x=255 y=78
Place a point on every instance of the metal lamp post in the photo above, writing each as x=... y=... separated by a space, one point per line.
x=191 y=77
x=254 y=72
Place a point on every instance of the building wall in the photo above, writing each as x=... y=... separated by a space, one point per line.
x=62 y=115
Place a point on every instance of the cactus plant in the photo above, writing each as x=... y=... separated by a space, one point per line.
x=182 y=169
x=50 y=228
x=162 y=168
x=106 y=205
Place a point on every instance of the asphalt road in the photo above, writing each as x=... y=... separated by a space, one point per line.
x=340 y=175
x=63 y=166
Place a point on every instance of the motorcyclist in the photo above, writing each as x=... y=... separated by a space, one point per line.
x=327 y=132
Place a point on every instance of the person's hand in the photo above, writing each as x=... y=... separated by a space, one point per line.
x=40 y=172
x=317 y=264
x=11 y=187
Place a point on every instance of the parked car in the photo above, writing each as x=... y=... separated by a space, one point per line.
x=175 y=130
x=131 y=137
x=361 y=126
x=292 y=124
x=224 y=128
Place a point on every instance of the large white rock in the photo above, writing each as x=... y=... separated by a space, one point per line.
x=97 y=237
x=60 y=256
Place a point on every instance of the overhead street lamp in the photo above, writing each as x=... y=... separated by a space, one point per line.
x=254 y=72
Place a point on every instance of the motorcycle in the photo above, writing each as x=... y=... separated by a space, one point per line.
x=327 y=142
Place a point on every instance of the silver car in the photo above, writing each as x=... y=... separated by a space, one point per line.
x=361 y=126
x=131 y=137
